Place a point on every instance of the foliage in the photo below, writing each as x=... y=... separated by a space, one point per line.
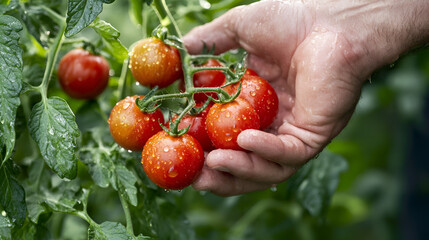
x=62 y=176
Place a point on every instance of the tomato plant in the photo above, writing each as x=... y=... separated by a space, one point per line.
x=172 y=162
x=154 y=63
x=83 y=75
x=225 y=121
x=130 y=127
x=63 y=172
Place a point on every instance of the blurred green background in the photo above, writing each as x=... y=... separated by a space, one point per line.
x=383 y=194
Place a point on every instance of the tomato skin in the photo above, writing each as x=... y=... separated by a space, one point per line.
x=250 y=71
x=172 y=162
x=261 y=95
x=154 y=63
x=198 y=128
x=83 y=75
x=130 y=127
x=226 y=121
x=208 y=78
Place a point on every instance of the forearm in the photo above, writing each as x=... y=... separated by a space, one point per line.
x=379 y=30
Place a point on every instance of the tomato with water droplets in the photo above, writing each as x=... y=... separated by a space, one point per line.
x=261 y=95
x=172 y=162
x=154 y=63
x=226 y=121
x=130 y=127
x=83 y=75
x=197 y=127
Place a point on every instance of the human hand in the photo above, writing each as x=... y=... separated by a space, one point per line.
x=316 y=62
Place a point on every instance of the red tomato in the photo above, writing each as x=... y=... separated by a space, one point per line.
x=261 y=95
x=198 y=128
x=225 y=121
x=208 y=78
x=83 y=75
x=130 y=127
x=172 y=162
x=250 y=72
x=154 y=63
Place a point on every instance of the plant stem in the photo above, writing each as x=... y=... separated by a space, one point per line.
x=127 y=214
x=123 y=80
x=52 y=58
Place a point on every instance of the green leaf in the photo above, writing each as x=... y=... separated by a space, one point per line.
x=5 y=227
x=100 y=166
x=10 y=80
x=318 y=181
x=52 y=125
x=81 y=13
x=110 y=38
x=108 y=230
x=125 y=180
x=40 y=24
x=7 y=5
x=12 y=197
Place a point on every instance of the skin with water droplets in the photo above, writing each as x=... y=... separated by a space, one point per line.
x=130 y=127
x=172 y=162
x=261 y=95
x=226 y=121
x=154 y=63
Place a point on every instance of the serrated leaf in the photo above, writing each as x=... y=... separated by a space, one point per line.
x=5 y=227
x=52 y=125
x=12 y=197
x=125 y=181
x=39 y=24
x=108 y=230
x=81 y=13
x=99 y=167
x=110 y=38
x=10 y=80
x=321 y=179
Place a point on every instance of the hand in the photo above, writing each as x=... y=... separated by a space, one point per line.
x=317 y=64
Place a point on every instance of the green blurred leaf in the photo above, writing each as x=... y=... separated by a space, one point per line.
x=108 y=230
x=110 y=38
x=124 y=183
x=10 y=81
x=81 y=13
x=39 y=24
x=52 y=125
x=5 y=227
x=318 y=180
x=12 y=197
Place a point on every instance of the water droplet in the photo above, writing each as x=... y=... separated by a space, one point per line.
x=51 y=131
x=126 y=105
x=166 y=149
x=228 y=114
x=172 y=172
x=252 y=93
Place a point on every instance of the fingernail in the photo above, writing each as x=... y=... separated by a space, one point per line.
x=222 y=169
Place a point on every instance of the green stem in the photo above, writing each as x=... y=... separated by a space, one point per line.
x=127 y=214
x=52 y=58
x=123 y=79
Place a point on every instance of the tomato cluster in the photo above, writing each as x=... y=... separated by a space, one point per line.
x=174 y=161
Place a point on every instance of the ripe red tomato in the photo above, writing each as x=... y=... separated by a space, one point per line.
x=198 y=128
x=225 y=121
x=208 y=78
x=250 y=72
x=172 y=162
x=130 y=127
x=154 y=63
x=83 y=75
x=261 y=95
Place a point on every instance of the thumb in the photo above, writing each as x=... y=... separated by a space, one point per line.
x=221 y=32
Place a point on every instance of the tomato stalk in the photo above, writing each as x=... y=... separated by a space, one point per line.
x=52 y=58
